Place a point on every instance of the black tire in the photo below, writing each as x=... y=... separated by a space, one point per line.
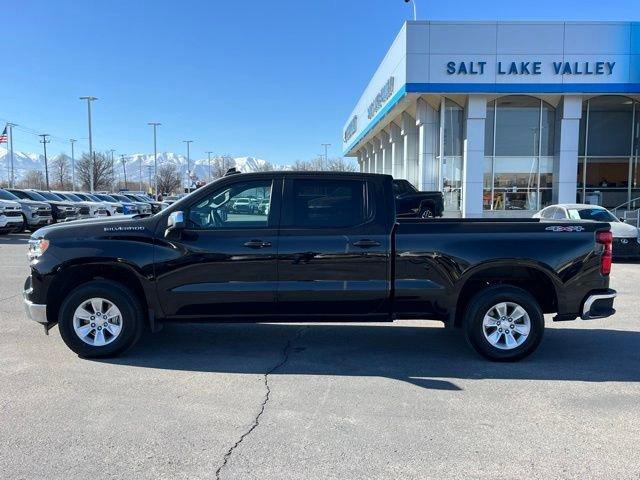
x=23 y=228
x=482 y=304
x=427 y=212
x=131 y=322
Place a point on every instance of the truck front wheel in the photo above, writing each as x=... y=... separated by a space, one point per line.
x=504 y=323
x=100 y=319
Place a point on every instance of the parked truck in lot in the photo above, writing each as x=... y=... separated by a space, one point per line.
x=330 y=249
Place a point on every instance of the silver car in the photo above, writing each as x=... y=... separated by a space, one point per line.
x=626 y=241
x=34 y=214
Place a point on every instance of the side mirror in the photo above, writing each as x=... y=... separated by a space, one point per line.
x=175 y=222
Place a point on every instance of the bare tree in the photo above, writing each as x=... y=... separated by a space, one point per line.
x=265 y=167
x=168 y=178
x=33 y=179
x=220 y=165
x=319 y=164
x=103 y=173
x=61 y=173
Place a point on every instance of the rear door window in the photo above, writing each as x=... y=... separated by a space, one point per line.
x=329 y=203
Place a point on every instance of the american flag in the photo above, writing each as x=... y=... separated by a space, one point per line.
x=3 y=137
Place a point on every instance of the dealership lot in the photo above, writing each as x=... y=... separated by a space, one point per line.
x=403 y=400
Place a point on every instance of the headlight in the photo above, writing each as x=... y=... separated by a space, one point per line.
x=37 y=247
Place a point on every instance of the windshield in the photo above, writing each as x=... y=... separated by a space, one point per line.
x=107 y=198
x=50 y=196
x=92 y=197
x=121 y=198
x=4 y=195
x=70 y=196
x=33 y=195
x=403 y=186
x=594 y=214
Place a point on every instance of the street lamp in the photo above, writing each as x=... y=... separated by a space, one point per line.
x=44 y=142
x=188 y=142
x=91 y=159
x=155 y=126
x=209 y=155
x=73 y=163
x=415 y=16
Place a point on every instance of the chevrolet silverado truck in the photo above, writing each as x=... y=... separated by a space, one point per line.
x=330 y=249
x=412 y=203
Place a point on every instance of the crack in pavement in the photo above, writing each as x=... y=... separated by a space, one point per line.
x=286 y=351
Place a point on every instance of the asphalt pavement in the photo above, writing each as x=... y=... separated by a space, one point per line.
x=319 y=401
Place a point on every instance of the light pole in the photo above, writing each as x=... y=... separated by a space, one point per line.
x=91 y=159
x=44 y=142
x=188 y=142
x=73 y=163
x=113 y=173
x=155 y=126
x=415 y=16
x=140 y=179
x=12 y=177
x=124 y=169
x=326 y=156
x=209 y=155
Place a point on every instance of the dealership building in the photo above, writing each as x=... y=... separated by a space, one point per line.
x=506 y=117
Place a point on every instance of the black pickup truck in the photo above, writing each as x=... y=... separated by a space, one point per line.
x=410 y=202
x=328 y=248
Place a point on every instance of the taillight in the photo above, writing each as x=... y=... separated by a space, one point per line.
x=606 y=239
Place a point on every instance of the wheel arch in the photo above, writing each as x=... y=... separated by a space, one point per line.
x=535 y=279
x=70 y=277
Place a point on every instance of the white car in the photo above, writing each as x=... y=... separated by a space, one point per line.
x=626 y=243
x=10 y=216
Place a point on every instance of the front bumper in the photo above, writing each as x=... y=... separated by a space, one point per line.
x=598 y=305
x=10 y=222
x=626 y=247
x=38 y=221
x=35 y=311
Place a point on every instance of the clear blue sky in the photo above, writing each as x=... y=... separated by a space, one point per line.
x=272 y=79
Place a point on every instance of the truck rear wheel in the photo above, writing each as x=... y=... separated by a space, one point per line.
x=504 y=323
x=100 y=319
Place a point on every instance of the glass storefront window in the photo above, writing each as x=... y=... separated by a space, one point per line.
x=607 y=169
x=450 y=174
x=519 y=169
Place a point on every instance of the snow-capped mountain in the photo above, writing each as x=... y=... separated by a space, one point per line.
x=24 y=162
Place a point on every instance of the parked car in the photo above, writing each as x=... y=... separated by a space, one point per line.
x=412 y=203
x=61 y=211
x=243 y=205
x=626 y=241
x=128 y=207
x=10 y=217
x=492 y=278
x=113 y=208
x=143 y=207
x=263 y=206
x=171 y=199
x=87 y=208
x=155 y=206
x=34 y=214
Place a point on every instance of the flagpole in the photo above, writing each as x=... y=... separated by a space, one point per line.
x=12 y=176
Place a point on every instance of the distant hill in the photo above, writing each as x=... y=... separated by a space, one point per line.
x=24 y=161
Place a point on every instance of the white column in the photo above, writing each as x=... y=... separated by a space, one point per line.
x=368 y=148
x=427 y=123
x=383 y=145
x=565 y=167
x=409 y=132
x=473 y=160
x=360 y=156
x=377 y=155
x=397 y=151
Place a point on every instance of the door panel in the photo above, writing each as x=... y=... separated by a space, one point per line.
x=225 y=262
x=329 y=269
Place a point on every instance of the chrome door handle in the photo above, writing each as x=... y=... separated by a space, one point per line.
x=365 y=243
x=257 y=244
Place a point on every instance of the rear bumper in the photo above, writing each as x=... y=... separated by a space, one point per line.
x=598 y=305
